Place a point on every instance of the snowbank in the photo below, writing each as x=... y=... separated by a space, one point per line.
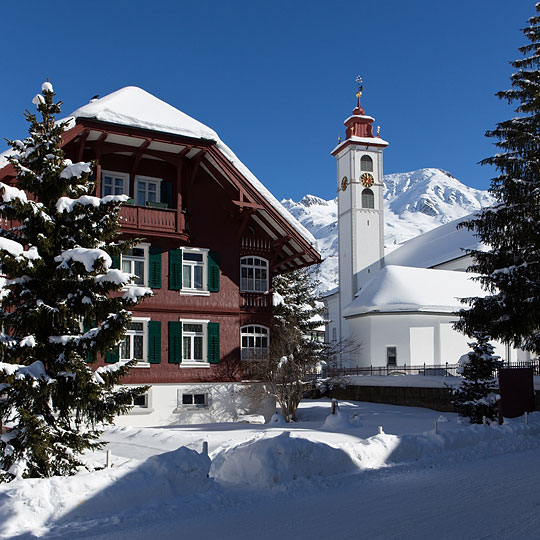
x=160 y=479
x=266 y=462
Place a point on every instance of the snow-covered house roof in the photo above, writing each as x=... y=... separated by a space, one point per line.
x=134 y=108
x=400 y=288
x=435 y=247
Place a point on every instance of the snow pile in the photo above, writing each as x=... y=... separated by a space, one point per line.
x=159 y=480
x=337 y=422
x=267 y=462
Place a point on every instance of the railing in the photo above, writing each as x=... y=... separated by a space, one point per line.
x=256 y=300
x=254 y=243
x=444 y=370
x=441 y=370
x=152 y=219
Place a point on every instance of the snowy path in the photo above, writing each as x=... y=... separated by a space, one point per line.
x=494 y=497
x=281 y=482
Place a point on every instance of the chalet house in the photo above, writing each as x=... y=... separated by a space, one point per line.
x=211 y=238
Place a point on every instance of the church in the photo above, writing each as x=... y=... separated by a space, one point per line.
x=399 y=309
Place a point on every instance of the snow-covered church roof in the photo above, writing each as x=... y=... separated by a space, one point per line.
x=134 y=107
x=400 y=288
x=435 y=247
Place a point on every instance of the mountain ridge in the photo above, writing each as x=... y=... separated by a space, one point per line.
x=414 y=203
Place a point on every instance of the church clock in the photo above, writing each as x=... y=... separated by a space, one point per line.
x=367 y=180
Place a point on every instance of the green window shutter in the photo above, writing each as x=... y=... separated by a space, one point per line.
x=213 y=342
x=166 y=193
x=154 y=342
x=175 y=269
x=90 y=356
x=154 y=258
x=112 y=356
x=115 y=262
x=213 y=271
x=175 y=342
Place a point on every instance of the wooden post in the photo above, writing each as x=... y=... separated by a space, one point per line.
x=108 y=463
x=380 y=430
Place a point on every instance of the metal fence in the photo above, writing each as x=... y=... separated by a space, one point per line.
x=442 y=370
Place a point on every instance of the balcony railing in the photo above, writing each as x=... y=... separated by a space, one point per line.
x=256 y=300
x=149 y=219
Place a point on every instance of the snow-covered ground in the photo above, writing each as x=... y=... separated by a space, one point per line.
x=327 y=477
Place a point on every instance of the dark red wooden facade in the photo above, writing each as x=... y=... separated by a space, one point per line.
x=211 y=205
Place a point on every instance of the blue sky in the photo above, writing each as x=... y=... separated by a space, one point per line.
x=276 y=79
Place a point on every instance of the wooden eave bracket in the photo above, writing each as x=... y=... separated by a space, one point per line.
x=247 y=204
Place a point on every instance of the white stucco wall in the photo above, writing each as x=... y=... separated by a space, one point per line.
x=420 y=338
x=226 y=402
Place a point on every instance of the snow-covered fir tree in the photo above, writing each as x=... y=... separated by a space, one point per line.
x=61 y=305
x=295 y=350
x=477 y=395
x=510 y=268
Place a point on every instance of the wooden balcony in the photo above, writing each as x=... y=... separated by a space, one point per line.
x=155 y=221
x=256 y=300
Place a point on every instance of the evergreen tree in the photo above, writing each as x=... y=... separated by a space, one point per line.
x=294 y=348
x=477 y=395
x=510 y=268
x=58 y=309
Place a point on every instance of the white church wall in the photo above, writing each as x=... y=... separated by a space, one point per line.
x=453 y=344
x=422 y=345
x=224 y=402
x=417 y=337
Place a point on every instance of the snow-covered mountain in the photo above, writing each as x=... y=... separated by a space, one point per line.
x=414 y=202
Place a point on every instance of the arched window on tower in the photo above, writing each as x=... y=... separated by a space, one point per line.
x=366 y=164
x=368 y=198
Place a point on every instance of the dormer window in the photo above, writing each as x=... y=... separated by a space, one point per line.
x=366 y=164
x=368 y=198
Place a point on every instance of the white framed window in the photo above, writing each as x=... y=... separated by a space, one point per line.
x=254 y=342
x=194 y=343
x=147 y=190
x=366 y=163
x=194 y=270
x=135 y=343
x=114 y=183
x=188 y=400
x=135 y=261
x=253 y=274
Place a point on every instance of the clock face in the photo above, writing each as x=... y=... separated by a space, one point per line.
x=367 y=180
x=344 y=183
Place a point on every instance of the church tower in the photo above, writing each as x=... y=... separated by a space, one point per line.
x=360 y=203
